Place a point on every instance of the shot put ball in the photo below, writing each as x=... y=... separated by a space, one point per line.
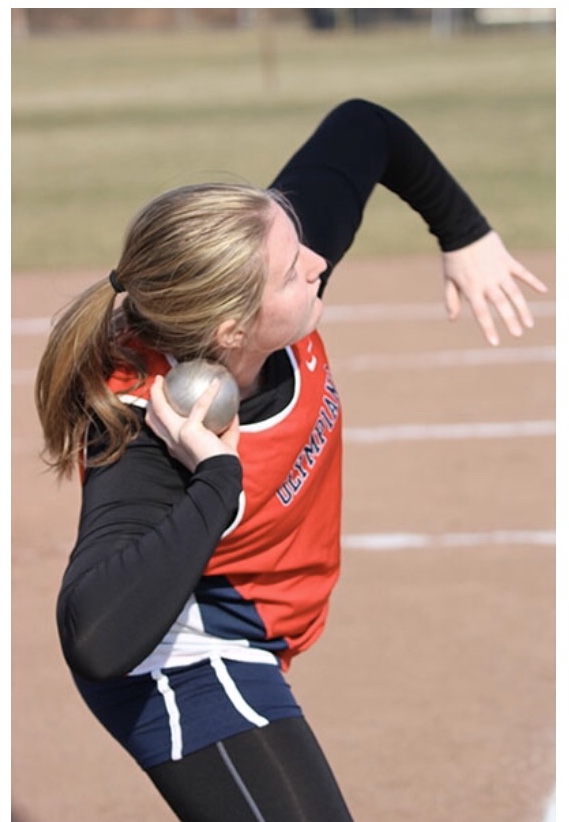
x=187 y=381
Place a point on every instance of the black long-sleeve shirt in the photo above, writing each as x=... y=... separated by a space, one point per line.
x=147 y=525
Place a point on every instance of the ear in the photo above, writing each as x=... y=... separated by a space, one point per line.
x=229 y=335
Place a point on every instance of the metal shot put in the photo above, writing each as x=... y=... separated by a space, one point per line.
x=187 y=381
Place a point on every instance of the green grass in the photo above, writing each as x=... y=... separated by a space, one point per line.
x=102 y=123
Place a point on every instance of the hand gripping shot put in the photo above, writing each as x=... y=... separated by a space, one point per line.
x=186 y=382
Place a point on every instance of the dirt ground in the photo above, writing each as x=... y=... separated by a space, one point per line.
x=432 y=690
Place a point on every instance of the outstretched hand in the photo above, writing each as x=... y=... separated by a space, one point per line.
x=187 y=439
x=486 y=275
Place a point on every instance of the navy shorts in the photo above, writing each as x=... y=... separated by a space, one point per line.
x=171 y=713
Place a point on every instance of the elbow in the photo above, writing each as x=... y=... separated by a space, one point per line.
x=83 y=663
x=84 y=660
x=86 y=653
x=357 y=112
x=357 y=106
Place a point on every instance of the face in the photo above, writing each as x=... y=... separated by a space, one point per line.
x=291 y=307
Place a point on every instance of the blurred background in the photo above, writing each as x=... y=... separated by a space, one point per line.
x=112 y=106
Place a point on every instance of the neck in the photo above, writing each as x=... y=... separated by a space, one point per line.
x=248 y=373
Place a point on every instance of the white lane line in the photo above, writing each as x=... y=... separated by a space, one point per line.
x=430 y=359
x=445 y=359
x=23 y=376
x=384 y=312
x=401 y=541
x=450 y=431
x=420 y=433
x=374 y=312
x=30 y=326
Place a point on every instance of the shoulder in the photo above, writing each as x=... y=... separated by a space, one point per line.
x=132 y=379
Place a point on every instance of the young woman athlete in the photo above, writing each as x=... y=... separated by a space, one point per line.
x=203 y=563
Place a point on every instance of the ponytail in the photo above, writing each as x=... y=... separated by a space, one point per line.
x=70 y=389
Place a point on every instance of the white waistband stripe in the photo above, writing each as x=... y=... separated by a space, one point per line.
x=234 y=695
x=163 y=685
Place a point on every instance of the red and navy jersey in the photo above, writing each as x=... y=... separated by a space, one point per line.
x=269 y=580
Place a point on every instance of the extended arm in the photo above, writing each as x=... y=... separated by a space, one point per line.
x=360 y=145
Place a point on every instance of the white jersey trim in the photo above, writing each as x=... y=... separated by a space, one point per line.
x=270 y=422
x=187 y=642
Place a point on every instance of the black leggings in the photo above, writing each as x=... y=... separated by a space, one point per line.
x=273 y=774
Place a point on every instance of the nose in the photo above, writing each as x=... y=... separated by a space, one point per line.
x=314 y=265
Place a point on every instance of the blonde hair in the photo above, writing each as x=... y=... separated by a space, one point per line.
x=192 y=258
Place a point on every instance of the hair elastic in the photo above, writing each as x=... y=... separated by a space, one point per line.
x=118 y=288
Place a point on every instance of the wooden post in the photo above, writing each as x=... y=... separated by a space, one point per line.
x=267 y=49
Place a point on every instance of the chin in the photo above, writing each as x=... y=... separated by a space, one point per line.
x=317 y=313
x=311 y=323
